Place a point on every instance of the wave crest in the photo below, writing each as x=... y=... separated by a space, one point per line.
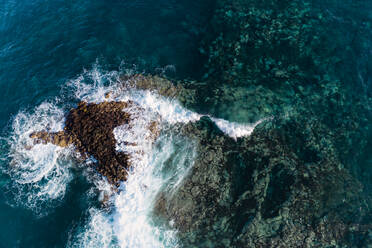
x=41 y=172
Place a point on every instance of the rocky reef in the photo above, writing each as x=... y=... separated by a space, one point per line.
x=302 y=178
x=272 y=189
x=89 y=127
x=286 y=185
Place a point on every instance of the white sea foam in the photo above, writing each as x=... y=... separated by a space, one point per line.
x=40 y=172
x=163 y=166
x=233 y=129
x=158 y=166
x=155 y=167
x=97 y=233
x=173 y=112
x=131 y=221
x=170 y=110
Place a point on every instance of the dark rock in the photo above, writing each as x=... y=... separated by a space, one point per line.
x=90 y=127
x=257 y=192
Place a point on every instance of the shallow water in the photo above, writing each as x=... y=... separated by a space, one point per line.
x=42 y=178
x=54 y=54
x=45 y=45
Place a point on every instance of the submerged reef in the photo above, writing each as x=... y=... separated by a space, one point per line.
x=303 y=178
x=285 y=185
x=271 y=189
x=280 y=53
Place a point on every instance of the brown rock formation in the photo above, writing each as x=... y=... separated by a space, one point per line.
x=90 y=128
x=59 y=138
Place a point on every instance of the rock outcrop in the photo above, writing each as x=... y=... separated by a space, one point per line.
x=302 y=179
x=89 y=127
x=272 y=189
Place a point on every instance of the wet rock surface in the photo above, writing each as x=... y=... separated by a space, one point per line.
x=290 y=184
x=259 y=191
x=58 y=138
x=303 y=178
x=90 y=127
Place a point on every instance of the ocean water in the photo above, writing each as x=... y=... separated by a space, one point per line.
x=54 y=54
x=43 y=177
x=46 y=199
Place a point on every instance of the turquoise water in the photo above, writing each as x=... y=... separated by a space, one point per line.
x=44 y=44
x=56 y=53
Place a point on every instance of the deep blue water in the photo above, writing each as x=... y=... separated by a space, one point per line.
x=43 y=44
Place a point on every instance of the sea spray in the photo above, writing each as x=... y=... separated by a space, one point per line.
x=40 y=172
x=161 y=170
x=96 y=233
x=97 y=86
x=157 y=166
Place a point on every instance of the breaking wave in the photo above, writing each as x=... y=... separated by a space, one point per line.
x=41 y=172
